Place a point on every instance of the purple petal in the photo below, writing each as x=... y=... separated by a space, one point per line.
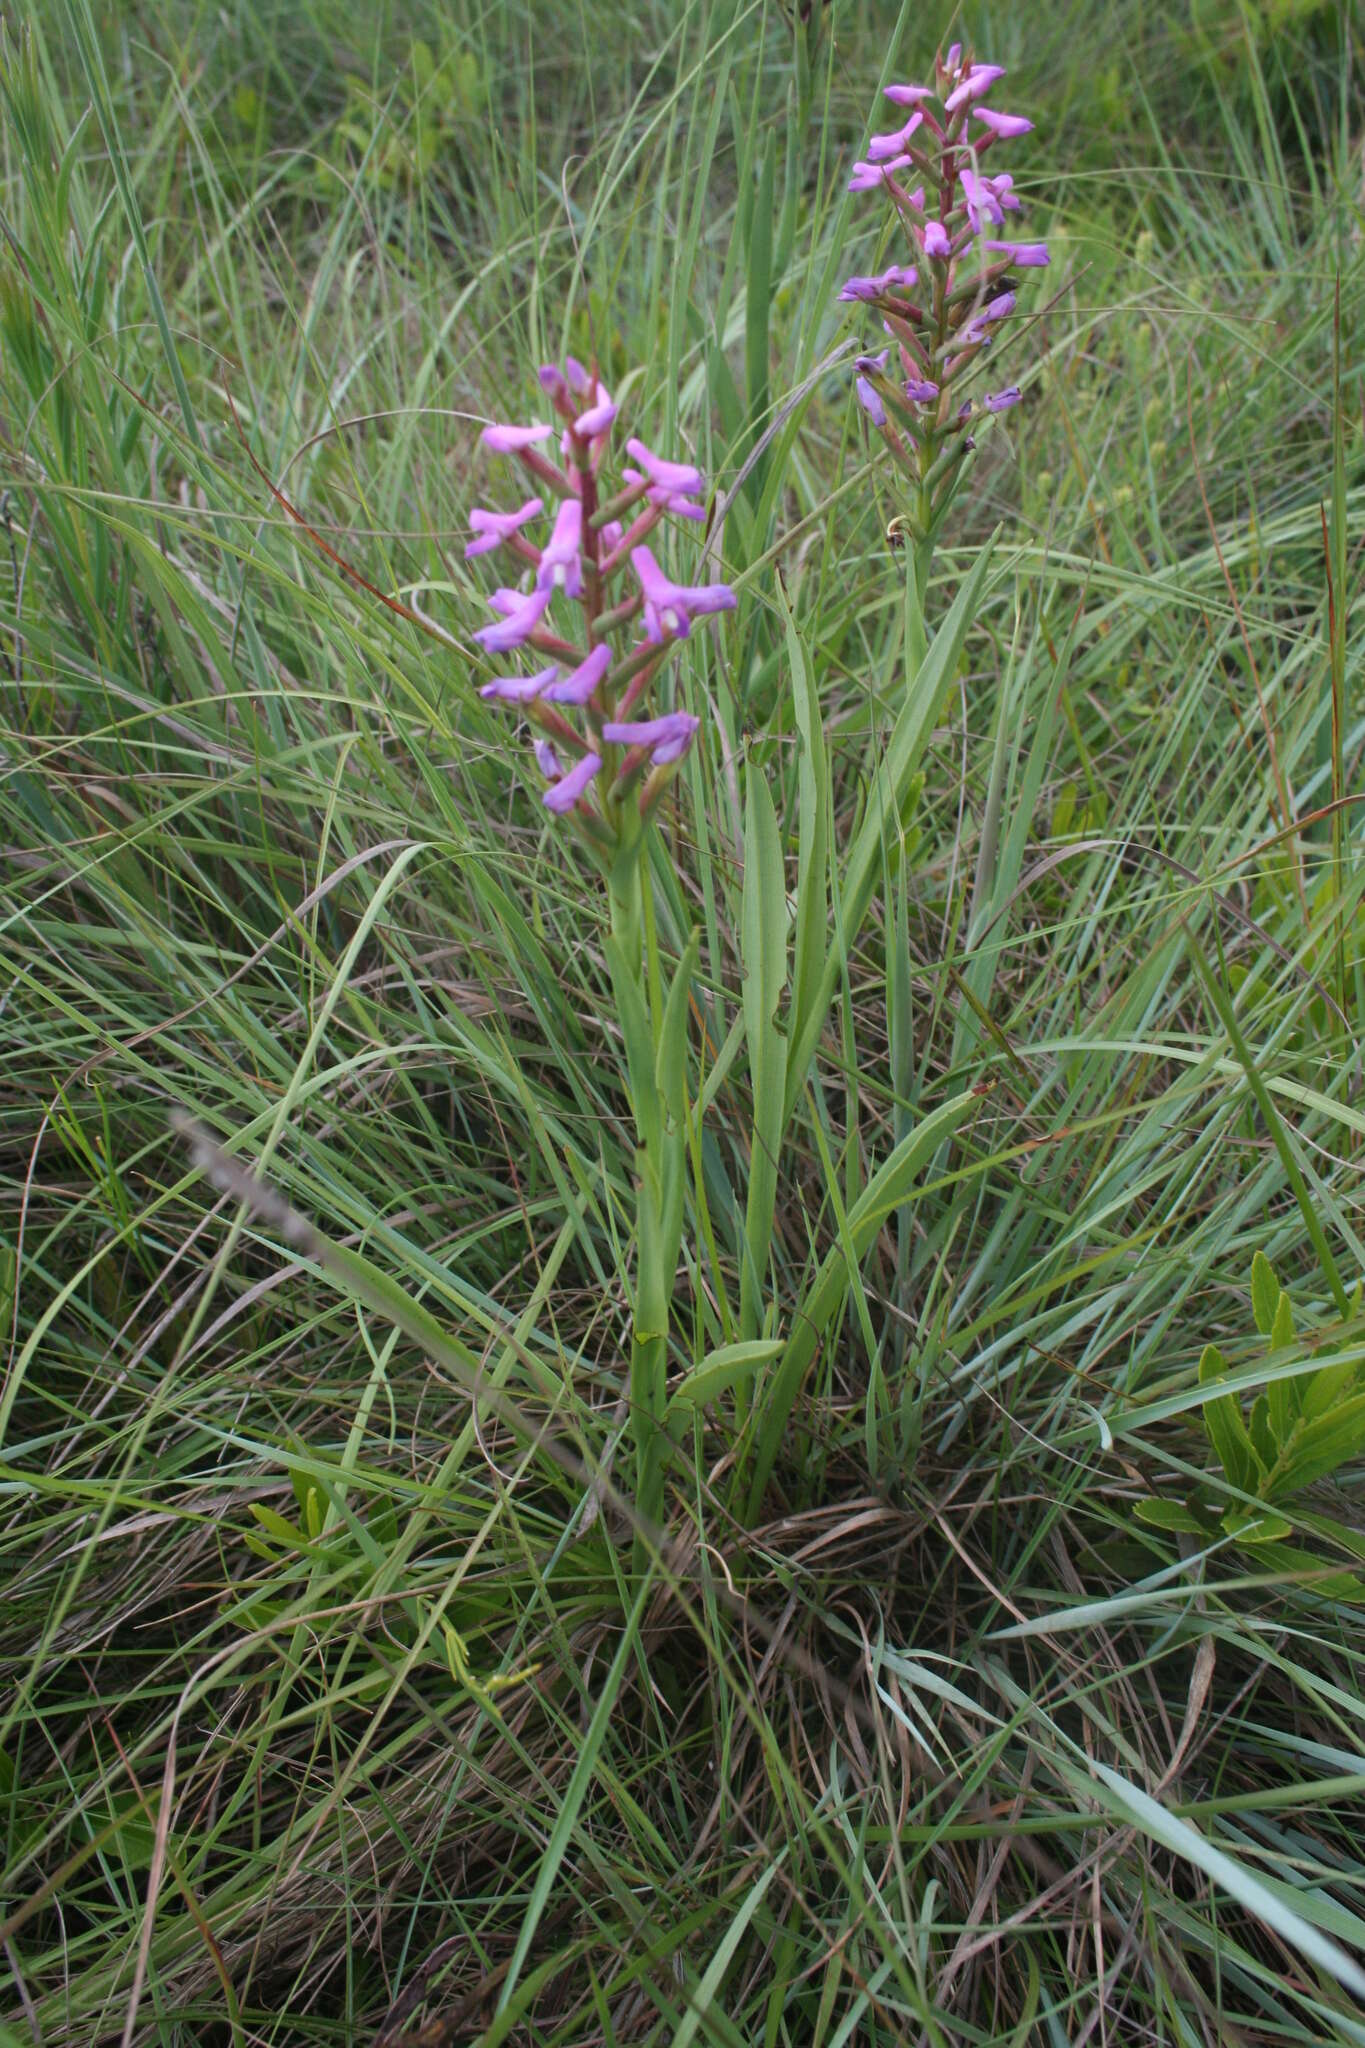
x=908 y=95
x=979 y=80
x=507 y=440
x=936 y=239
x=581 y=683
x=667 y=738
x=873 y=363
x=883 y=146
x=559 y=559
x=518 y=625
x=519 y=689
x=1001 y=401
x=1003 y=125
x=491 y=529
x=1000 y=307
x=1028 y=255
x=921 y=391
x=563 y=795
x=669 y=476
x=547 y=760
x=870 y=401
x=595 y=420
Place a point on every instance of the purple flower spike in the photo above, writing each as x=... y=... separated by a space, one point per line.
x=561 y=796
x=921 y=391
x=595 y=420
x=1001 y=401
x=509 y=440
x=581 y=683
x=518 y=625
x=1003 y=125
x=883 y=146
x=667 y=738
x=491 y=529
x=979 y=80
x=870 y=401
x=1028 y=255
x=908 y=95
x=671 y=607
x=519 y=689
x=559 y=563
x=936 y=239
x=667 y=476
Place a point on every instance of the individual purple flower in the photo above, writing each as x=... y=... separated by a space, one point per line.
x=509 y=440
x=547 y=760
x=900 y=276
x=668 y=738
x=982 y=204
x=953 y=63
x=1001 y=401
x=491 y=529
x=519 y=689
x=671 y=607
x=872 y=363
x=668 y=501
x=561 y=796
x=869 y=398
x=560 y=568
x=1028 y=255
x=596 y=420
x=665 y=475
x=554 y=382
x=867 y=177
x=1003 y=125
x=908 y=95
x=979 y=80
x=578 y=379
x=882 y=147
x=520 y=622
x=579 y=685
x=998 y=308
x=935 y=239
x=921 y=391
x=1002 y=184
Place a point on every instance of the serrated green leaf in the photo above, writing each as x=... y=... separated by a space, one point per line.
x=1265 y=1293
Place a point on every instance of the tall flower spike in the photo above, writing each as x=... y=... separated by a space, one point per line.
x=587 y=549
x=949 y=309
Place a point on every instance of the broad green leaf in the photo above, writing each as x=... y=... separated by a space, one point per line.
x=764 y=940
x=1283 y=1393
x=670 y=1067
x=1320 y=1447
x=722 y=1369
x=1248 y=1525
x=1265 y=1293
x=1169 y=1514
x=1225 y=1427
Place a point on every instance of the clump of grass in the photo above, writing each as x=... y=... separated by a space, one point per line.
x=333 y=1708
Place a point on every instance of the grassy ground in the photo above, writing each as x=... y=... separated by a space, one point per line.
x=965 y=1741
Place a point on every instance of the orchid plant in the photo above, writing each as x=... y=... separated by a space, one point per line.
x=945 y=310
x=594 y=619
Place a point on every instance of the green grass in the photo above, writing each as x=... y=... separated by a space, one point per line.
x=949 y=1746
